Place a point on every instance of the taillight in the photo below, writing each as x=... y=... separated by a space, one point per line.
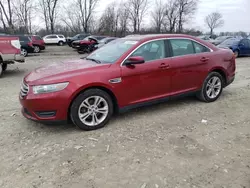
x=16 y=44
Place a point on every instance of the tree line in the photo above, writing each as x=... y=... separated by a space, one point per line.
x=118 y=19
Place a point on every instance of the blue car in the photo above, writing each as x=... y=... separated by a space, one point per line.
x=240 y=47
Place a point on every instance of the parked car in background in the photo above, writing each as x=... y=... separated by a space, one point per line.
x=55 y=39
x=104 y=41
x=26 y=45
x=240 y=47
x=88 y=44
x=10 y=52
x=77 y=37
x=220 y=39
x=38 y=43
x=126 y=73
x=204 y=37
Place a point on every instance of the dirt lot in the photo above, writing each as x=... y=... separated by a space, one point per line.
x=166 y=145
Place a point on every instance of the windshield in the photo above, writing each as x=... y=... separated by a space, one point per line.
x=76 y=36
x=102 y=41
x=111 y=52
x=230 y=42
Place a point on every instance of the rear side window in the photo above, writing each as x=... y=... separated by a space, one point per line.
x=200 y=48
x=37 y=38
x=51 y=37
x=61 y=36
x=182 y=47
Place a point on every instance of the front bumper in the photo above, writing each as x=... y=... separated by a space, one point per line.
x=19 y=58
x=48 y=107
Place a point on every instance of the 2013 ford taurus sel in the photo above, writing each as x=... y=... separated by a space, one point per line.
x=124 y=74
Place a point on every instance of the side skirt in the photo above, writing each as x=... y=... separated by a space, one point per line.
x=157 y=101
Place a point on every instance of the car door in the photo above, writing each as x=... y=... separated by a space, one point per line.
x=248 y=47
x=188 y=65
x=243 y=46
x=150 y=80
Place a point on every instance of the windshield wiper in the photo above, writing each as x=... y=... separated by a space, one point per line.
x=95 y=60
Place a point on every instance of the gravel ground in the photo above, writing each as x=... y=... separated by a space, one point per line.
x=166 y=145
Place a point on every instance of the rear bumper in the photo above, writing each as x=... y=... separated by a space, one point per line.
x=230 y=80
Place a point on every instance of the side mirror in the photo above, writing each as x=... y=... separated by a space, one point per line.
x=134 y=60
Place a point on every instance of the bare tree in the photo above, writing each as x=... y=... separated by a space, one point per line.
x=186 y=8
x=72 y=19
x=137 y=9
x=123 y=19
x=213 y=21
x=7 y=14
x=158 y=15
x=109 y=20
x=171 y=16
x=49 y=13
x=23 y=11
x=86 y=9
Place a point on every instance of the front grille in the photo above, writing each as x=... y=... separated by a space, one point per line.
x=24 y=89
x=46 y=114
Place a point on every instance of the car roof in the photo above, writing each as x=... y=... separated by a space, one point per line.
x=155 y=36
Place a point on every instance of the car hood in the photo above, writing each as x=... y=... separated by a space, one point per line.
x=58 y=72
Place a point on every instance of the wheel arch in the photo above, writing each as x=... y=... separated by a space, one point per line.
x=222 y=72
x=97 y=86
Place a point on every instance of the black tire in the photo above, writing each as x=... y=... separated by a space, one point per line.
x=60 y=43
x=24 y=52
x=236 y=53
x=1 y=70
x=202 y=95
x=4 y=66
x=79 y=100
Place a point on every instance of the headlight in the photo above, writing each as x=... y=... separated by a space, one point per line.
x=49 y=88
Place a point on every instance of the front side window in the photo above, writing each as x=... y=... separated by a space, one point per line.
x=244 y=42
x=151 y=51
x=200 y=48
x=182 y=47
x=61 y=36
x=111 y=52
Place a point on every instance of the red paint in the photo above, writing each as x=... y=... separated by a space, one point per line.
x=140 y=82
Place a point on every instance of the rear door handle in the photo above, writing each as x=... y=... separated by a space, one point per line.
x=204 y=59
x=164 y=66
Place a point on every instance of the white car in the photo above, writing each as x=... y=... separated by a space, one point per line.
x=55 y=39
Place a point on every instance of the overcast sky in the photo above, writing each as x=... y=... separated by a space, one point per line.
x=236 y=14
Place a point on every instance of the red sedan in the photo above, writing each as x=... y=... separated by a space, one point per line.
x=126 y=73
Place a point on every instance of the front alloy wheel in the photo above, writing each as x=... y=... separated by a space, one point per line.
x=36 y=49
x=92 y=109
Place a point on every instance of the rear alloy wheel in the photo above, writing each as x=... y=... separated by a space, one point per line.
x=212 y=87
x=60 y=43
x=24 y=52
x=91 y=110
x=37 y=49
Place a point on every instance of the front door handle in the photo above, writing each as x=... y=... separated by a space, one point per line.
x=164 y=66
x=204 y=59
